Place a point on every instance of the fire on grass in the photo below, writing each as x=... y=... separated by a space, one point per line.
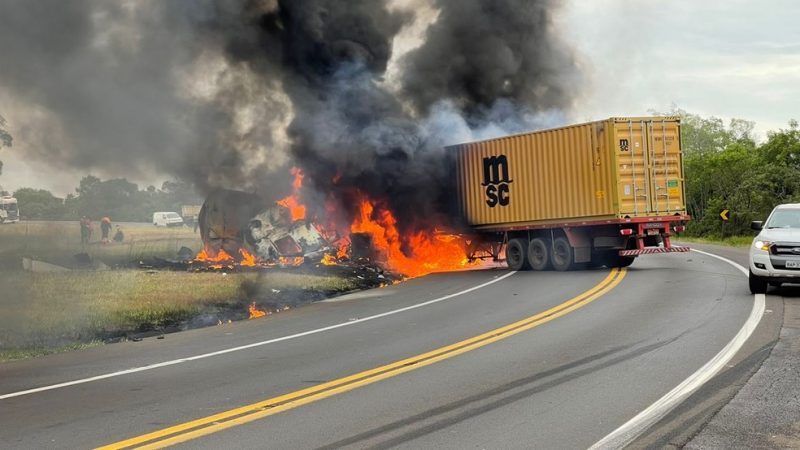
x=255 y=312
x=223 y=259
x=375 y=226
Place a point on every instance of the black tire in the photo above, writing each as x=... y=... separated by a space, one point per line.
x=539 y=254
x=611 y=258
x=517 y=254
x=624 y=261
x=563 y=255
x=758 y=285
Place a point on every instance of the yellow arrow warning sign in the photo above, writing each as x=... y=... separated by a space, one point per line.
x=724 y=214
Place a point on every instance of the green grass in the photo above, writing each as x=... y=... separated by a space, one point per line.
x=59 y=241
x=42 y=313
x=49 y=312
x=731 y=241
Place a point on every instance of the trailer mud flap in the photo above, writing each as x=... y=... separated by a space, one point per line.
x=652 y=250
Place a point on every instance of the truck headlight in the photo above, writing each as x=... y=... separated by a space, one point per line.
x=762 y=245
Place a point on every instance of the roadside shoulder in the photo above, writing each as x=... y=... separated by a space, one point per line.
x=691 y=418
x=765 y=412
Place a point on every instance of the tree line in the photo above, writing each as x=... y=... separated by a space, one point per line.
x=117 y=198
x=725 y=168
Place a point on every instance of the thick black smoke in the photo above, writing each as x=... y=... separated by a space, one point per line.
x=481 y=51
x=228 y=94
x=481 y=61
x=110 y=86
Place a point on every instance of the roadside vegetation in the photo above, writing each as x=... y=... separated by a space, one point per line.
x=42 y=313
x=50 y=312
x=727 y=167
x=59 y=242
x=118 y=198
x=729 y=241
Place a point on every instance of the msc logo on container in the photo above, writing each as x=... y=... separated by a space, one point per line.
x=496 y=181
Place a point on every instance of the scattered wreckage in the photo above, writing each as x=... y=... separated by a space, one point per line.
x=236 y=224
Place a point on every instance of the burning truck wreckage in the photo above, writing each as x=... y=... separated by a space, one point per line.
x=367 y=119
x=579 y=221
x=243 y=232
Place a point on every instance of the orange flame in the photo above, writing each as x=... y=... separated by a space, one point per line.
x=328 y=260
x=292 y=202
x=255 y=312
x=221 y=256
x=426 y=252
x=248 y=259
x=343 y=251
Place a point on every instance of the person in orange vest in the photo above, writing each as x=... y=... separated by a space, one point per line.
x=105 y=228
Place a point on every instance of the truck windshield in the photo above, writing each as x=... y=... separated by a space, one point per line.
x=785 y=218
x=173 y=216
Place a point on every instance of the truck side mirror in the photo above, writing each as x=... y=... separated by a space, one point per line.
x=757 y=225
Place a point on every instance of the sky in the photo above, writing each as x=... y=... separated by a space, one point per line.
x=730 y=58
x=727 y=59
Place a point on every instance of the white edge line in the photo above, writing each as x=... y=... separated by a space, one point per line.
x=248 y=346
x=631 y=429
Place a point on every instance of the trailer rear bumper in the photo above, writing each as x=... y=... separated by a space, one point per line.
x=652 y=250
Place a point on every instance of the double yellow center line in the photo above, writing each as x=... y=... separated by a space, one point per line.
x=238 y=416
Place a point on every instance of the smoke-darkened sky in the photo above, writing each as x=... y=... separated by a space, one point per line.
x=209 y=91
x=230 y=94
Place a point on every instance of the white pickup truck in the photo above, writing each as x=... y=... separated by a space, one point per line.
x=775 y=253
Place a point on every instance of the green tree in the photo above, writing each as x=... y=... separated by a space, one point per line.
x=783 y=146
x=118 y=198
x=5 y=138
x=40 y=204
x=726 y=169
x=123 y=201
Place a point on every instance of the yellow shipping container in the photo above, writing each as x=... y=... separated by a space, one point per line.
x=613 y=169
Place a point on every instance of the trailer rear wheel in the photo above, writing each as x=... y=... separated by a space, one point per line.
x=539 y=254
x=563 y=254
x=624 y=261
x=517 y=254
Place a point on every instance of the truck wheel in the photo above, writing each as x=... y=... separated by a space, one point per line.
x=757 y=284
x=563 y=254
x=539 y=254
x=624 y=261
x=517 y=254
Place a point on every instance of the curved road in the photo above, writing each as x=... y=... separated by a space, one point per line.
x=564 y=380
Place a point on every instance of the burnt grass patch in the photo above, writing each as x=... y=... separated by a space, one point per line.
x=55 y=312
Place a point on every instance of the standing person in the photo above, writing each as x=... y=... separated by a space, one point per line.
x=86 y=229
x=105 y=228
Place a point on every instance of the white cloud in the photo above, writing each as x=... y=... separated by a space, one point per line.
x=731 y=58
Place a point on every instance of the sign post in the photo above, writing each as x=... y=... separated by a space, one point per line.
x=724 y=216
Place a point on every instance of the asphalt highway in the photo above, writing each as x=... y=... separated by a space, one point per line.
x=476 y=359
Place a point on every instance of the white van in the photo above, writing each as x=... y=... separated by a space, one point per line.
x=9 y=211
x=167 y=219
